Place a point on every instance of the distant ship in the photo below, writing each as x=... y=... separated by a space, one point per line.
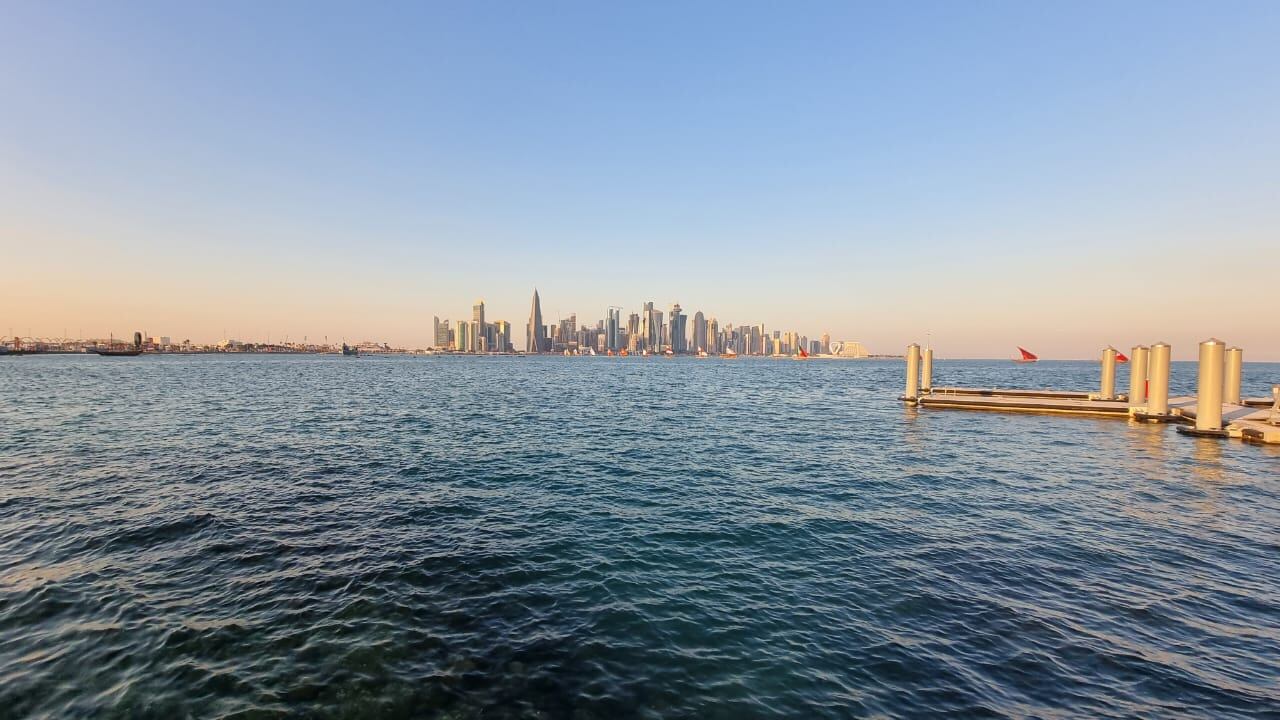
x=112 y=351
x=802 y=356
x=729 y=354
x=350 y=351
x=1027 y=356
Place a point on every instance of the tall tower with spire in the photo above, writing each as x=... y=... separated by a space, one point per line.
x=533 y=334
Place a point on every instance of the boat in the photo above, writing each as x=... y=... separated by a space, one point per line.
x=702 y=353
x=803 y=355
x=350 y=350
x=112 y=351
x=1027 y=356
x=729 y=354
x=1121 y=357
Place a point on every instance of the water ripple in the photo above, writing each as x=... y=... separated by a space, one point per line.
x=577 y=538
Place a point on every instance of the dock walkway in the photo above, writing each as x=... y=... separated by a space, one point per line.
x=1248 y=420
x=1251 y=419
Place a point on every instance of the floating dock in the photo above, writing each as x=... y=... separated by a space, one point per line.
x=1228 y=414
x=1015 y=401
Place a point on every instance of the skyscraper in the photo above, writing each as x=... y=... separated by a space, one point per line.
x=699 y=332
x=611 y=329
x=678 y=337
x=533 y=333
x=633 y=333
x=441 y=341
x=501 y=336
x=461 y=342
x=648 y=331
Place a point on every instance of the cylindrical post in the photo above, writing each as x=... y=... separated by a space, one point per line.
x=1108 y=390
x=1138 y=377
x=913 y=372
x=1158 y=385
x=1209 y=386
x=1231 y=378
x=926 y=372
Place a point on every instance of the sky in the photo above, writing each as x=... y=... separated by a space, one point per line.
x=978 y=175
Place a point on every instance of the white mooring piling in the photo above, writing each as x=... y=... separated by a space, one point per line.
x=1108 y=389
x=1209 y=391
x=1138 y=378
x=1231 y=377
x=926 y=372
x=913 y=373
x=1158 y=382
x=1209 y=386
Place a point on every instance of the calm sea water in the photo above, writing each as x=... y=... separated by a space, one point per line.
x=259 y=536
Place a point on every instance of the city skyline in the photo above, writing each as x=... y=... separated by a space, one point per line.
x=1013 y=174
x=429 y=337
x=647 y=331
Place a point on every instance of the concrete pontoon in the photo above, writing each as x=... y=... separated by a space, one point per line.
x=1218 y=384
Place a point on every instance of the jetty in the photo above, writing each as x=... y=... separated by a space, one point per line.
x=1216 y=410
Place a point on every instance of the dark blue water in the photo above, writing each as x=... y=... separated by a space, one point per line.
x=263 y=536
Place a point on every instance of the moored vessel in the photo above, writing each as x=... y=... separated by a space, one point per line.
x=112 y=350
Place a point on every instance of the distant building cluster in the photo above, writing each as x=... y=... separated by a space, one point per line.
x=474 y=336
x=167 y=345
x=651 y=331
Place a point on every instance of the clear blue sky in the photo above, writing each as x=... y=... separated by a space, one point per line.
x=989 y=173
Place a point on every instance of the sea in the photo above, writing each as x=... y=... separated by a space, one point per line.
x=263 y=536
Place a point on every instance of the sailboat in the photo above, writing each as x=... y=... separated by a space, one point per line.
x=803 y=355
x=1121 y=357
x=1027 y=356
